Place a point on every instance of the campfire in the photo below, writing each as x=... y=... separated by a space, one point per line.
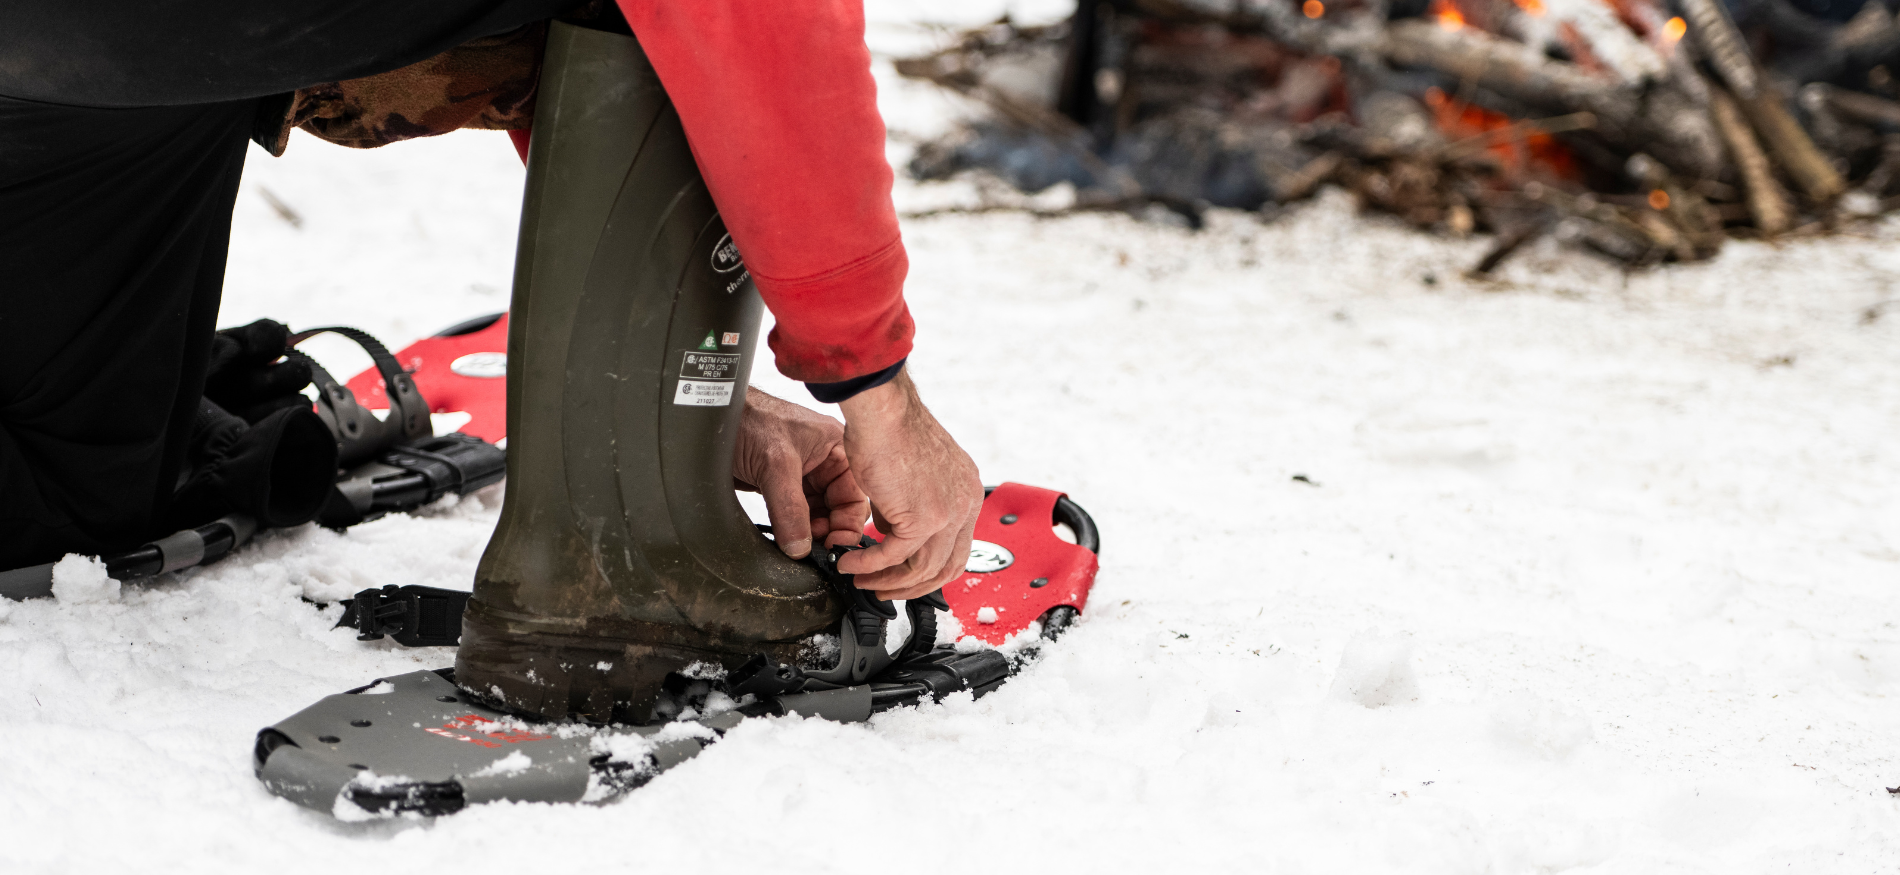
x=1642 y=130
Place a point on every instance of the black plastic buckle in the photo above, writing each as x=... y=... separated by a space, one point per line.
x=868 y=612
x=416 y=616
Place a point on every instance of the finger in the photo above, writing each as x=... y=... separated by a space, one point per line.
x=959 y=559
x=840 y=530
x=893 y=552
x=785 y=506
x=847 y=509
x=955 y=559
x=915 y=592
x=838 y=505
x=922 y=567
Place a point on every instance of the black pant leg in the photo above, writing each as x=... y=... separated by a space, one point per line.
x=146 y=53
x=114 y=226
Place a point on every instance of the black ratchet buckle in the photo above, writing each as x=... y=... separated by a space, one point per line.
x=416 y=616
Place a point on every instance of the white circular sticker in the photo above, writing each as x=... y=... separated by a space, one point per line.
x=986 y=557
x=483 y=365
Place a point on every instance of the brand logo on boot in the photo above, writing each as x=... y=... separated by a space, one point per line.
x=725 y=258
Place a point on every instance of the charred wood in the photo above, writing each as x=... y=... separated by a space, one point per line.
x=1804 y=163
x=1722 y=44
x=1615 y=127
x=1767 y=202
x=1867 y=109
x=1662 y=121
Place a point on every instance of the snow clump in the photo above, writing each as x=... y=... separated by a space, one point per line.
x=83 y=580
x=514 y=763
x=1376 y=671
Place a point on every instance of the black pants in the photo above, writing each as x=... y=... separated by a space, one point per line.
x=123 y=129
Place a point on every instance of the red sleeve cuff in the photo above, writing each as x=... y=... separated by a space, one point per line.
x=843 y=323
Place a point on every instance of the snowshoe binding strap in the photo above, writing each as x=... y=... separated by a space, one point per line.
x=415 y=616
x=862 y=631
x=864 y=654
x=360 y=435
x=410 y=476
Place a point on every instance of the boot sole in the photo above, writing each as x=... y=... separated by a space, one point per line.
x=524 y=668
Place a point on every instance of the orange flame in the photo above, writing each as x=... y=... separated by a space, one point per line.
x=1673 y=29
x=1537 y=154
x=1447 y=15
x=1313 y=8
x=1535 y=8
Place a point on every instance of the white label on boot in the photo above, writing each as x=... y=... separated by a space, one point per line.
x=698 y=393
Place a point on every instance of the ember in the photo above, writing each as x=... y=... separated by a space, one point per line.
x=1645 y=131
x=1448 y=15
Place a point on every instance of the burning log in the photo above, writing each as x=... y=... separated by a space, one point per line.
x=1664 y=123
x=1607 y=123
x=1505 y=67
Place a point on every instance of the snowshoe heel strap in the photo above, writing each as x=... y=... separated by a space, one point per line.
x=360 y=435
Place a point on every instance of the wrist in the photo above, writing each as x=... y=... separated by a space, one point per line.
x=845 y=390
x=881 y=406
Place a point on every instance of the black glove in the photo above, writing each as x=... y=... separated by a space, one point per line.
x=278 y=471
x=246 y=376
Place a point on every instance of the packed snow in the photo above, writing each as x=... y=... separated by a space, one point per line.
x=1571 y=569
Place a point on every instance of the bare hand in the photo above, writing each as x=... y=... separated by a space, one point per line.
x=796 y=458
x=924 y=491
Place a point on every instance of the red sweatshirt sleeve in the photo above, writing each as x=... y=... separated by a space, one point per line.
x=780 y=108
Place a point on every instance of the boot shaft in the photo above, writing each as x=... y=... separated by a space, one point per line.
x=633 y=328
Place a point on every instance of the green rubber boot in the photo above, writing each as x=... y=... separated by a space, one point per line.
x=622 y=553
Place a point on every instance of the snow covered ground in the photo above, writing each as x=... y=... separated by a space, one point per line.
x=1574 y=570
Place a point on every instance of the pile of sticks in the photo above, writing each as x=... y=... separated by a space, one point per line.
x=1647 y=130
